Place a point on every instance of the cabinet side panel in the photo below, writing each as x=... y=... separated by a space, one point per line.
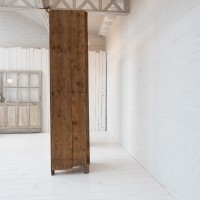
x=79 y=57
x=60 y=79
x=79 y=128
x=87 y=95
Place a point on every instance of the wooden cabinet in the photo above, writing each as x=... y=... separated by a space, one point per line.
x=69 y=90
x=20 y=101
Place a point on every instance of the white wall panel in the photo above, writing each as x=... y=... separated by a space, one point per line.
x=97 y=90
x=38 y=60
x=33 y=60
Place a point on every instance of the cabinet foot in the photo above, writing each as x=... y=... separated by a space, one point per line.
x=86 y=169
x=52 y=172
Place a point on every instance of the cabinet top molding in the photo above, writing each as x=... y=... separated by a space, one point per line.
x=118 y=7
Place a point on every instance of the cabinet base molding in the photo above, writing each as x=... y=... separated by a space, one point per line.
x=20 y=130
x=85 y=169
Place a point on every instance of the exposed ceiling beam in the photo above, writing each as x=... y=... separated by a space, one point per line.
x=46 y=3
x=106 y=25
x=43 y=12
x=118 y=7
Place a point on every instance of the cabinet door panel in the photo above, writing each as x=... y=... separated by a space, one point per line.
x=34 y=116
x=23 y=116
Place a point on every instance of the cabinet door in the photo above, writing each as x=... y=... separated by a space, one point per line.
x=34 y=116
x=23 y=116
x=2 y=116
x=11 y=116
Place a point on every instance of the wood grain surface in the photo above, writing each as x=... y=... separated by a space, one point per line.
x=69 y=90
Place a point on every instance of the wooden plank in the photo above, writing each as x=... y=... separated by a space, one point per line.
x=92 y=89
x=45 y=92
x=23 y=116
x=79 y=128
x=11 y=116
x=86 y=167
x=97 y=71
x=34 y=116
x=78 y=52
x=61 y=122
x=2 y=116
x=104 y=93
x=100 y=90
x=97 y=88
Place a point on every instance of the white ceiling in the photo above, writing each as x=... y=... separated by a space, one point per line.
x=34 y=15
x=25 y=28
x=94 y=20
x=17 y=30
x=94 y=23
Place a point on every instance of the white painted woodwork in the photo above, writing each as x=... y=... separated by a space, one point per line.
x=114 y=174
x=30 y=60
x=95 y=43
x=20 y=91
x=23 y=116
x=2 y=116
x=17 y=118
x=11 y=116
x=99 y=6
x=34 y=116
x=97 y=90
x=106 y=25
x=38 y=60
x=154 y=90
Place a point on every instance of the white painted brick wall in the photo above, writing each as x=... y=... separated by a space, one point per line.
x=154 y=90
x=18 y=31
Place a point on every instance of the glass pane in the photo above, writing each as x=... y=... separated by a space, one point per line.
x=11 y=95
x=2 y=79
x=23 y=80
x=22 y=95
x=11 y=79
x=2 y=95
x=34 y=95
x=34 y=80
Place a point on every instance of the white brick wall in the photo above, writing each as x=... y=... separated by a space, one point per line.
x=154 y=90
x=18 y=31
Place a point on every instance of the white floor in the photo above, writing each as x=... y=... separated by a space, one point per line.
x=114 y=174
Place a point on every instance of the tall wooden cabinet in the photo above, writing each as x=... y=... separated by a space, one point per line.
x=69 y=90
